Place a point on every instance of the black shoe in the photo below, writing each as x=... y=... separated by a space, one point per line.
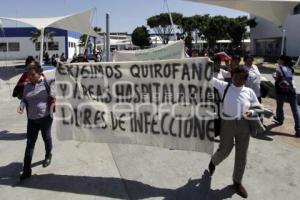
x=47 y=160
x=277 y=122
x=240 y=190
x=26 y=174
x=211 y=168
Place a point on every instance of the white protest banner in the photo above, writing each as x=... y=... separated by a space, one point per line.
x=157 y=103
x=173 y=50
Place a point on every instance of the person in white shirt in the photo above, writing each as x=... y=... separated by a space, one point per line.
x=235 y=126
x=253 y=80
x=284 y=74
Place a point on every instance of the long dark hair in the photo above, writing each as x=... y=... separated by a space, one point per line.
x=287 y=61
x=36 y=67
x=29 y=60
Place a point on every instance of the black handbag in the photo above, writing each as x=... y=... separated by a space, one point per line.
x=219 y=102
x=18 y=91
x=51 y=99
x=283 y=86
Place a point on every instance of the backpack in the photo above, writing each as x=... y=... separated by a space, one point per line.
x=219 y=102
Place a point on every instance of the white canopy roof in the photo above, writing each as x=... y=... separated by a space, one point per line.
x=274 y=10
x=79 y=22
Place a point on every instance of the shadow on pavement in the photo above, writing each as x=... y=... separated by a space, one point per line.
x=10 y=171
x=6 y=135
x=263 y=136
x=113 y=187
x=269 y=131
x=7 y=73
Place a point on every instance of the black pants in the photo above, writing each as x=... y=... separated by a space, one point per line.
x=33 y=128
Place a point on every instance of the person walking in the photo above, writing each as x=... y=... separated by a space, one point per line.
x=285 y=90
x=234 y=124
x=36 y=100
x=253 y=80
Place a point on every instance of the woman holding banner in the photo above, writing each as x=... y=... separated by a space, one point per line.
x=37 y=100
x=234 y=125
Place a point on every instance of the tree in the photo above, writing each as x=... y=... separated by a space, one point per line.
x=216 y=29
x=196 y=24
x=83 y=38
x=35 y=35
x=97 y=30
x=252 y=23
x=161 y=24
x=188 y=41
x=237 y=30
x=188 y=26
x=201 y=23
x=141 y=37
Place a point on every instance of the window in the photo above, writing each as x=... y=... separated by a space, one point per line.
x=270 y=45
x=3 y=47
x=53 y=46
x=13 y=46
x=69 y=44
x=38 y=46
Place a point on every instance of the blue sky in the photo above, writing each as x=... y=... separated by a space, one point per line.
x=125 y=14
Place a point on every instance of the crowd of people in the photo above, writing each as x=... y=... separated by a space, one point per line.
x=238 y=85
x=54 y=59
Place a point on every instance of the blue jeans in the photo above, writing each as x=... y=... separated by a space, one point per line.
x=292 y=99
x=33 y=128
